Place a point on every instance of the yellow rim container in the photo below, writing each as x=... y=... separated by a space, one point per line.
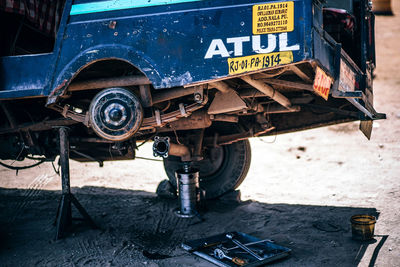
x=362 y=227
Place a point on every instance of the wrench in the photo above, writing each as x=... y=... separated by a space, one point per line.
x=230 y=236
x=220 y=254
x=253 y=243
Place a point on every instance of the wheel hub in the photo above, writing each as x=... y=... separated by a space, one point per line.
x=115 y=114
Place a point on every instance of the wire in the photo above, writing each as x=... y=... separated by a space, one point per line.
x=56 y=170
x=252 y=100
x=109 y=151
x=16 y=168
x=19 y=154
x=176 y=137
x=145 y=141
x=273 y=141
x=150 y=159
x=33 y=158
x=167 y=107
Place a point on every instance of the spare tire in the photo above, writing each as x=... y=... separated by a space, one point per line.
x=222 y=170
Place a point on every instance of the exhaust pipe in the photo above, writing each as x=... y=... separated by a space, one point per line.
x=162 y=147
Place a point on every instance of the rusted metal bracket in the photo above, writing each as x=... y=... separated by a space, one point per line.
x=109 y=82
x=268 y=91
x=226 y=100
x=39 y=126
x=296 y=85
x=198 y=94
x=145 y=95
x=217 y=140
x=166 y=95
x=301 y=74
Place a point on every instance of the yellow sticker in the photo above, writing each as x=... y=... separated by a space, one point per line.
x=273 y=18
x=239 y=65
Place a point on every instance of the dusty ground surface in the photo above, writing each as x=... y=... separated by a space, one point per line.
x=298 y=187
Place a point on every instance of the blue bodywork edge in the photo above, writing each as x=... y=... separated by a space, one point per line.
x=95 y=54
x=103 y=6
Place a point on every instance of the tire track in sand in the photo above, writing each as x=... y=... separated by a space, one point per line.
x=89 y=253
x=33 y=190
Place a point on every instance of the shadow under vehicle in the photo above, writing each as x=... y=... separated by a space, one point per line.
x=134 y=222
x=199 y=77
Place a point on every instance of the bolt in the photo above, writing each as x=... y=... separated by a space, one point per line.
x=115 y=114
x=197 y=97
x=186 y=167
x=112 y=24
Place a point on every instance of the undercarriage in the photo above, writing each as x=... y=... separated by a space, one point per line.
x=206 y=125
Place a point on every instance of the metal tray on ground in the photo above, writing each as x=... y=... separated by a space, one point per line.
x=266 y=250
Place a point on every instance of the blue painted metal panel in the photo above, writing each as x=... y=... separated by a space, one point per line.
x=168 y=43
x=22 y=76
x=326 y=52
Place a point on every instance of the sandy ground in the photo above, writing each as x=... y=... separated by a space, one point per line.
x=301 y=191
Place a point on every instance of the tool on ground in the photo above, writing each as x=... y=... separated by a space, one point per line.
x=214 y=249
x=221 y=254
x=64 y=212
x=253 y=243
x=237 y=242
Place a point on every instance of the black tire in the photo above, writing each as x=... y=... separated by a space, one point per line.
x=222 y=169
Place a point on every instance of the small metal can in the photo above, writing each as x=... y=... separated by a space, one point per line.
x=362 y=227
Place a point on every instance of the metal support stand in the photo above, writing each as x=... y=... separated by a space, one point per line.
x=64 y=213
x=187 y=180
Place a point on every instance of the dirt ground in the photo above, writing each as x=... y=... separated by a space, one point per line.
x=301 y=191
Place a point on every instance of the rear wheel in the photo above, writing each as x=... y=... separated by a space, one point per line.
x=223 y=169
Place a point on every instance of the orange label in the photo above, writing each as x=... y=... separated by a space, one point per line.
x=322 y=83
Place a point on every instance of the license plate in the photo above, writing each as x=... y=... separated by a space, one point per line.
x=239 y=65
x=322 y=83
x=347 y=80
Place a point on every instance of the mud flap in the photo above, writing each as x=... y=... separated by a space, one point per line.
x=347 y=85
x=366 y=128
